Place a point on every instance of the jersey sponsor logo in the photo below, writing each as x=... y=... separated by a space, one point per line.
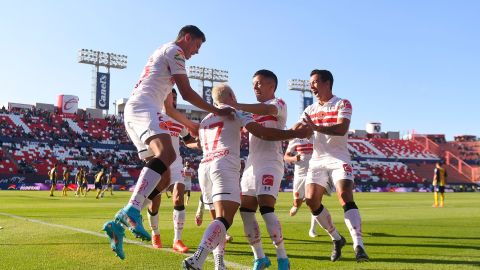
x=267 y=180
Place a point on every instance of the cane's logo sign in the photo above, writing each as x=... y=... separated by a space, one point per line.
x=70 y=104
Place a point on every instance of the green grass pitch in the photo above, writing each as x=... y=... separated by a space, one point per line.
x=401 y=231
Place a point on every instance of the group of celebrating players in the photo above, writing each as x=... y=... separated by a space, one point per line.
x=155 y=126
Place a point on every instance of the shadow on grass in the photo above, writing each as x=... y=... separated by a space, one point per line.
x=424 y=261
x=421 y=236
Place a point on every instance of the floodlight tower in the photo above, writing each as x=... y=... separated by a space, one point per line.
x=304 y=87
x=101 y=80
x=210 y=75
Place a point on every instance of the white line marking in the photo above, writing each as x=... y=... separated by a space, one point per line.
x=125 y=240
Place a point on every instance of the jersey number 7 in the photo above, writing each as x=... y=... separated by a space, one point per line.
x=207 y=132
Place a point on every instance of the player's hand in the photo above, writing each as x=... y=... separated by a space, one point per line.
x=309 y=122
x=193 y=129
x=227 y=111
x=303 y=131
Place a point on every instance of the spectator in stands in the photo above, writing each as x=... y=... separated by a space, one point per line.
x=439 y=180
x=329 y=117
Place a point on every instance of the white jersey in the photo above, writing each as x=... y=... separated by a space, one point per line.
x=188 y=173
x=220 y=138
x=304 y=148
x=329 y=146
x=261 y=150
x=176 y=130
x=156 y=81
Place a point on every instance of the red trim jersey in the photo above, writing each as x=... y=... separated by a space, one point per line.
x=265 y=151
x=304 y=148
x=188 y=173
x=220 y=138
x=156 y=80
x=328 y=146
x=177 y=130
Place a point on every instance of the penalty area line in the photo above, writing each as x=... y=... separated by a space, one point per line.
x=125 y=240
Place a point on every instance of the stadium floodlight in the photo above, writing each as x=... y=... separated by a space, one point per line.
x=304 y=87
x=207 y=74
x=101 y=59
x=104 y=59
x=299 y=85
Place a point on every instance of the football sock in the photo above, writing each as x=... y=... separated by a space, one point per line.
x=252 y=232
x=178 y=221
x=323 y=218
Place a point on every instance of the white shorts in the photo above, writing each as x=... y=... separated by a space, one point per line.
x=262 y=179
x=176 y=173
x=218 y=184
x=327 y=173
x=188 y=185
x=141 y=124
x=299 y=187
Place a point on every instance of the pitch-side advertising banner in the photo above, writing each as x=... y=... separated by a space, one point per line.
x=207 y=94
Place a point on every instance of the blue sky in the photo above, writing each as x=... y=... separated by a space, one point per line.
x=412 y=65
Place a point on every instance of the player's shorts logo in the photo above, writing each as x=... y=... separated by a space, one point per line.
x=347 y=168
x=163 y=125
x=267 y=180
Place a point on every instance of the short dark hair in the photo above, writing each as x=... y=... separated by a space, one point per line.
x=193 y=31
x=324 y=74
x=269 y=74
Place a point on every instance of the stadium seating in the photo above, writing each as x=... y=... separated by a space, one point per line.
x=41 y=139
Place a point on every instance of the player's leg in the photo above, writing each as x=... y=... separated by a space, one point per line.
x=150 y=176
x=152 y=214
x=352 y=216
x=298 y=194
x=178 y=216
x=226 y=200
x=317 y=182
x=52 y=189
x=199 y=212
x=442 y=195
x=268 y=181
x=248 y=207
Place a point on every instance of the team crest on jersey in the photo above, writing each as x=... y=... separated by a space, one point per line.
x=267 y=180
x=163 y=125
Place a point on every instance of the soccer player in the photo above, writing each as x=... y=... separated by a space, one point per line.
x=264 y=171
x=145 y=126
x=188 y=173
x=177 y=185
x=66 y=181
x=109 y=183
x=299 y=152
x=99 y=180
x=219 y=171
x=85 y=182
x=439 y=179
x=329 y=118
x=79 y=180
x=52 y=174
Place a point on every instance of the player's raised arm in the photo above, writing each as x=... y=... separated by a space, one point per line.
x=273 y=134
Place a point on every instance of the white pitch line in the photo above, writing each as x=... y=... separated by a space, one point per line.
x=138 y=243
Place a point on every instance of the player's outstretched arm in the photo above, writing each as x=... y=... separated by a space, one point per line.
x=192 y=97
x=339 y=129
x=257 y=108
x=273 y=134
x=180 y=117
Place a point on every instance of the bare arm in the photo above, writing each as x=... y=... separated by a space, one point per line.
x=291 y=158
x=180 y=117
x=339 y=129
x=273 y=134
x=257 y=108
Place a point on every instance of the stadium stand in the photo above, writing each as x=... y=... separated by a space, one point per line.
x=32 y=140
